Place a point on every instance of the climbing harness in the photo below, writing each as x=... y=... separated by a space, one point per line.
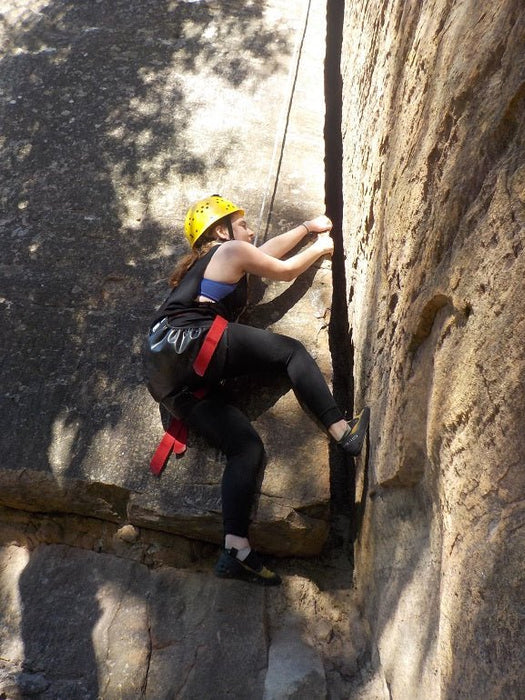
x=209 y=345
x=176 y=435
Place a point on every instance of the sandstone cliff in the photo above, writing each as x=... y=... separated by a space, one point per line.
x=434 y=175
x=115 y=116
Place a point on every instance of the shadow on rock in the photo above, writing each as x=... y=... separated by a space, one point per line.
x=96 y=119
x=60 y=612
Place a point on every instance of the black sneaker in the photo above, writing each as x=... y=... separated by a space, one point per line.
x=251 y=569
x=354 y=437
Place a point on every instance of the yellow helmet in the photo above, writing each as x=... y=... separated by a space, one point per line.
x=204 y=214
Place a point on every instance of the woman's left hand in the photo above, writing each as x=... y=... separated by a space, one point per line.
x=319 y=225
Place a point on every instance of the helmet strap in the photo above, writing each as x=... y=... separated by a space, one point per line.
x=230 y=228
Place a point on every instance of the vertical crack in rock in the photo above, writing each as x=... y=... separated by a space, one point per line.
x=340 y=335
x=150 y=649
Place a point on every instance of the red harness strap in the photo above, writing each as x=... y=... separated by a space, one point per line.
x=175 y=437
x=174 y=440
x=211 y=341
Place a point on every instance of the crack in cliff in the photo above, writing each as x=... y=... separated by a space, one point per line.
x=147 y=666
x=340 y=334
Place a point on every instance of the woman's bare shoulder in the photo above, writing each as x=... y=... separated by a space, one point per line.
x=236 y=250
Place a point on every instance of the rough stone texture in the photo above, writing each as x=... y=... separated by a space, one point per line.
x=79 y=624
x=115 y=116
x=295 y=670
x=86 y=625
x=434 y=106
x=143 y=545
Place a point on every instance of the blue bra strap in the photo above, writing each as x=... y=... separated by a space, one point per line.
x=215 y=290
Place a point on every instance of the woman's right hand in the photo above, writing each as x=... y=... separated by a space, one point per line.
x=325 y=244
x=236 y=258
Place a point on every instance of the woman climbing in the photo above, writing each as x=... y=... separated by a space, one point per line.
x=186 y=361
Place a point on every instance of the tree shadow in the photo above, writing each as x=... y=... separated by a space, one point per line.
x=264 y=315
x=59 y=614
x=98 y=112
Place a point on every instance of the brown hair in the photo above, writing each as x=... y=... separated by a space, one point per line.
x=201 y=247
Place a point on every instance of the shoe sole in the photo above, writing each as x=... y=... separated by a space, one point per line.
x=358 y=434
x=235 y=570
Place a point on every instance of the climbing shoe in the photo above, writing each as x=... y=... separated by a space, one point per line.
x=354 y=437
x=251 y=569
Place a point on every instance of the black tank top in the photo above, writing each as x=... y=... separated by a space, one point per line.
x=183 y=311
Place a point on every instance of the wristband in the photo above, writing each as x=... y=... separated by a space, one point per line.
x=306 y=227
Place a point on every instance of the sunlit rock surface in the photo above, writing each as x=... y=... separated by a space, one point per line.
x=434 y=214
x=116 y=116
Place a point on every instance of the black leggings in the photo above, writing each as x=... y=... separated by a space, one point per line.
x=245 y=350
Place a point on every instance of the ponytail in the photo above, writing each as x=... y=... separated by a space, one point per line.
x=199 y=250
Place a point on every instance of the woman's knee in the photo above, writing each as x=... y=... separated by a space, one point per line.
x=298 y=355
x=228 y=429
x=246 y=442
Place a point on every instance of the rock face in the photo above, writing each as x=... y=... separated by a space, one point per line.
x=116 y=116
x=114 y=629
x=434 y=180
x=84 y=625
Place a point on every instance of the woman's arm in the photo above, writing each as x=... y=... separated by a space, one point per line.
x=282 y=244
x=236 y=258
